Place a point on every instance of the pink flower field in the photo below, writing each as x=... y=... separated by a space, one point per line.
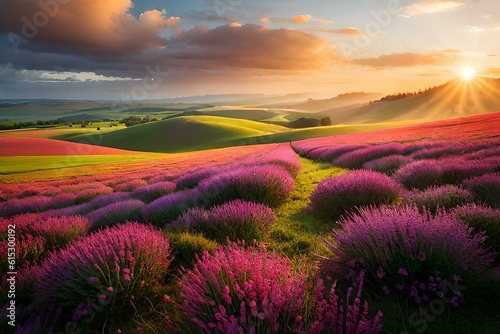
x=375 y=232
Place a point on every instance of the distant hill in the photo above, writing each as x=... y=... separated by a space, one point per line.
x=457 y=98
x=238 y=99
x=340 y=101
x=182 y=134
x=81 y=117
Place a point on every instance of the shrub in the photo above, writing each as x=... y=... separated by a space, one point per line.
x=456 y=170
x=59 y=231
x=419 y=174
x=329 y=154
x=24 y=205
x=441 y=151
x=130 y=185
x=62 y=200
x=356 y=158
x=169 y=207
x=28 y=249
x=88 y=194
x=408 y=254
x=336 y=316
x=335 y=195
x=191 y=179
x=485 y=188
x=85 y=208
x=388 y=165
x=153 y=191
x=119 y=212
x=267 y=184
x=239 y=290
x=435 y=197
x=113 y=268
x=186 y=245
x=283 y=156
x=235 y=220
x=481 y=218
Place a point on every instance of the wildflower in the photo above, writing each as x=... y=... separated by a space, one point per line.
x=380 y=273
x=421 y=256
x=110 y=289
x=403 y=271
x=93 y=280
x=456 y=278
x=386 y=290
x=102 y=298
x=167 y=299
x=126 y=277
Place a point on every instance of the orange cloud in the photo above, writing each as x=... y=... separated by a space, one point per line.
x=409 y=59
x=348 y=31
x=301 y=18
x=105 y=25
x=248 y=47
x=432 y=6
x=265 y=20
x=235 y=25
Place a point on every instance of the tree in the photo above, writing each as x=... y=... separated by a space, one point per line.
x=325 y=121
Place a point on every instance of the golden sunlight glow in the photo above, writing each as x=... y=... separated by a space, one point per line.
x=467 y=73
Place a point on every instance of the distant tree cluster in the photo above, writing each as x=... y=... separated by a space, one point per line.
x=12 y=125
x=136 y=120
x=309 y=122
x=400 y=96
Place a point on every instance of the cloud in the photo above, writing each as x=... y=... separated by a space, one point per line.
x=247 y=48
x=301 y=18
x=347 y=31
x=235 y=25
x=409 y=59
x=432 y=6
x=84 y=25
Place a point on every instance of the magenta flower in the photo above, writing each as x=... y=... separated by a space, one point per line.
x=380 y=273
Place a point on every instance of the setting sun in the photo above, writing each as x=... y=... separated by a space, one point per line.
x=467 y=73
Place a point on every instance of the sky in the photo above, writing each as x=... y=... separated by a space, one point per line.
x=135 y=50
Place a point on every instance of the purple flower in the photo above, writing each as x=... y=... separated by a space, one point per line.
x=421 y=256
x=386 y=290
x=456 y=278
x=336 y=195
x=380 y=273
x=403 y=271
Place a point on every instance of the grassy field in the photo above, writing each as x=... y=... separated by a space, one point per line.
x=183 y=134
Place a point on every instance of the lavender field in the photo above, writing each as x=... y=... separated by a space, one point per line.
x=315 y=236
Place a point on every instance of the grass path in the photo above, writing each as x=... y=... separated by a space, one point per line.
x=296 y=232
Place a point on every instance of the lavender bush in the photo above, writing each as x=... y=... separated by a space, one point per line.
x=337 y=316
x=114 y=268
x=236 y=220
x=242 y=290
x=88 y=194
x=329 y=154
x=419 y=174
x=267 y=184
x=485 y=188
x=153 y=191
x=356 y=158
x=119 y=212
x=408 y=254
x=432 y=198
x=336 y=195
x=481 y=218
x=191 y=179
x=24 y=205
x=456 y=170
x=167 y=208
x=388 y=165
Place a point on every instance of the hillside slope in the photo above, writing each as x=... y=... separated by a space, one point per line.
x=183 y=134
x=457 y=98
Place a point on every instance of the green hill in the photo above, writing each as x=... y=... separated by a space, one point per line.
x=183 y=134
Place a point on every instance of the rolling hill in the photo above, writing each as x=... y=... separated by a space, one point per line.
x=183 y=134
x=456 y=98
